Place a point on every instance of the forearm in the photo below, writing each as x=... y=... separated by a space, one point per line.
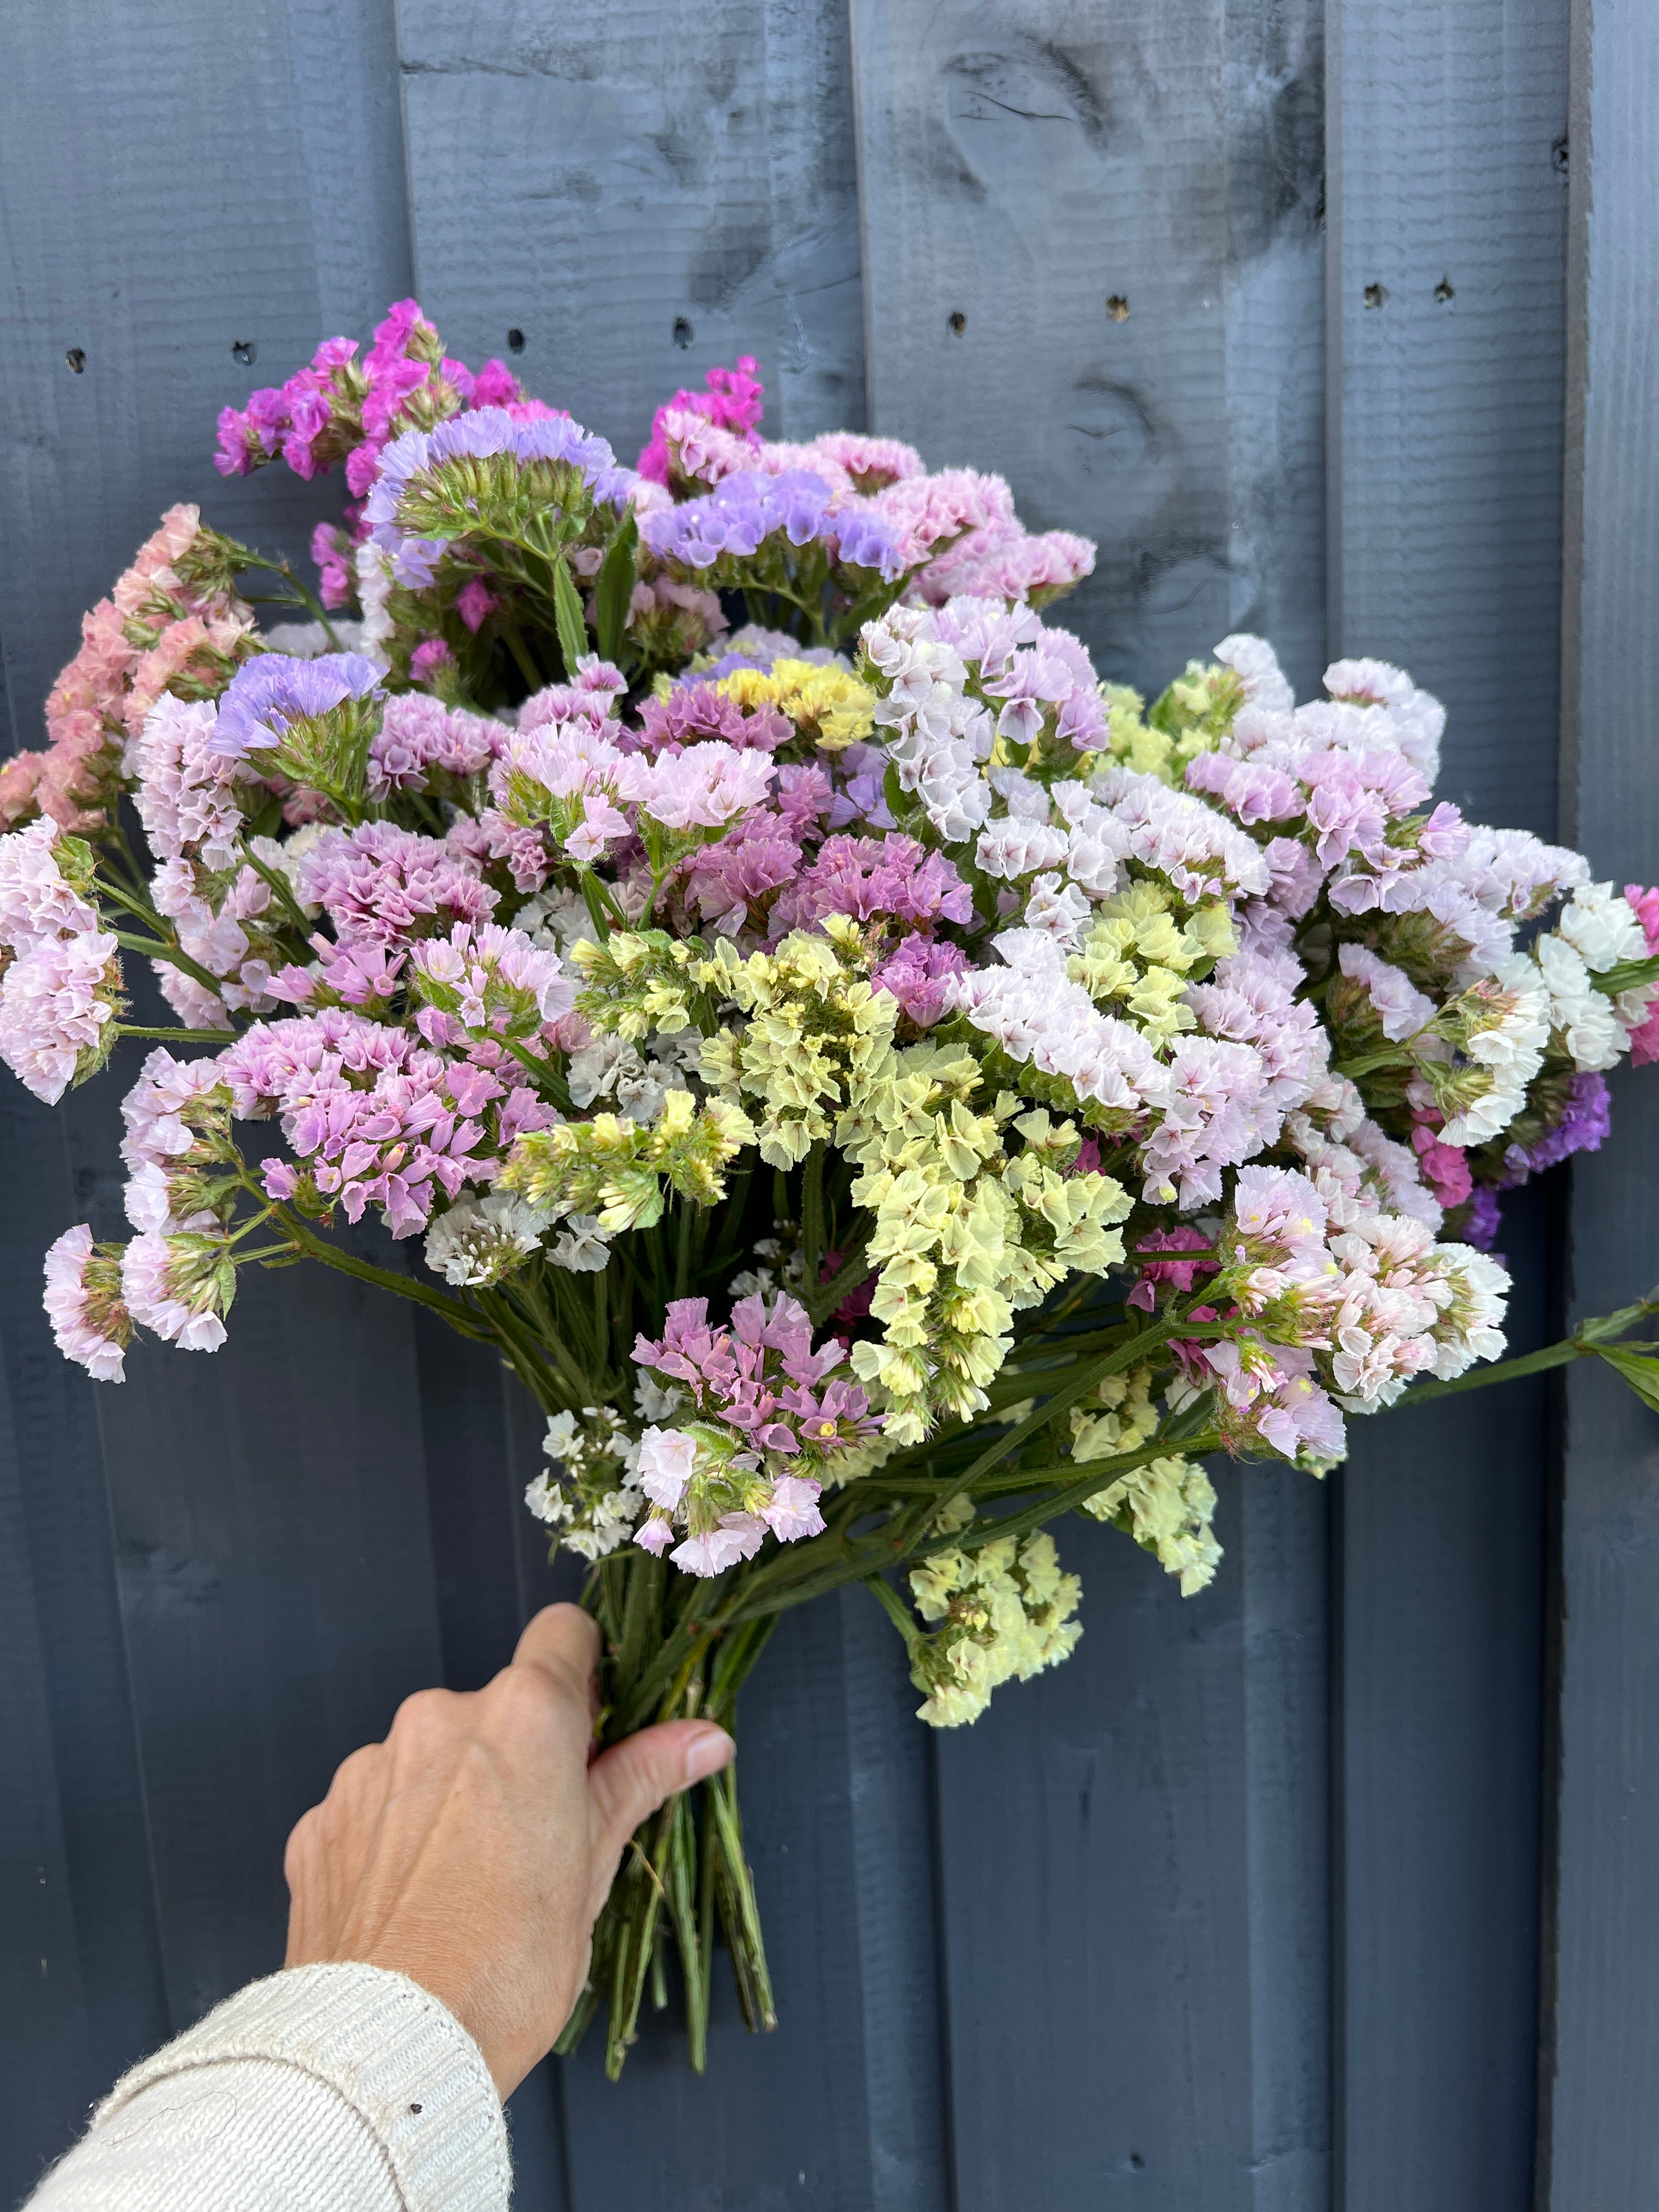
x=322 y=2088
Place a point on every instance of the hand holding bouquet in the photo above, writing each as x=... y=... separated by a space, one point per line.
x=880 y=1088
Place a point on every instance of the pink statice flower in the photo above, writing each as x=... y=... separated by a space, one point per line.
x=83 y=1302
x=918 y=974
x=866 y=877
x=176 y=1287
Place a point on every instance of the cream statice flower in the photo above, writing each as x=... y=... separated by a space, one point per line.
x=1002 y=1611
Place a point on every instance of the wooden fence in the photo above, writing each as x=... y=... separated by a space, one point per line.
x=1331 y=1887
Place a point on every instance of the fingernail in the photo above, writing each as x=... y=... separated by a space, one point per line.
x=706 y=1752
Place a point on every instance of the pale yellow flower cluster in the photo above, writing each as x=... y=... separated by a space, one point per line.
x=827 y=704
x=1138 y=959
x=1166 y=1506
x=815 y=1036
x=1192 y=717
x=616 y=1169
x=1002 y=1611
x=967 y=1234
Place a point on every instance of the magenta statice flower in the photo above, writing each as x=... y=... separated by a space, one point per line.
x=727 y=883
x=692 y=712
x=420 y=737
x=1181 y=1273
x=733 y=401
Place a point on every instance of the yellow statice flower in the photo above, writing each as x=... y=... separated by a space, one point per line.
x=1166 y=1507
x=827 y=704
x=615 y=1169
x=1003 y=1611
x=638 y=981
x=1191 y=717
x=1126 y=1418
x=815 y=1034
x=1140 y=954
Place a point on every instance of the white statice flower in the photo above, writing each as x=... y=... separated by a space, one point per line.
x=1415 y=720
x=480 y=1240
x=1585 y=1019
x=657 y=1400
x=610 y=1071
x=581 y=1247
x=1256 y=664
x=1059 y=910
x=1505 y=1019
x=547 y=1501
x=1602 y=927
x=374 y=568
x=1018 y=847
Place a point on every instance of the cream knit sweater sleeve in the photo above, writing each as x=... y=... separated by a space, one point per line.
x=325 y=2089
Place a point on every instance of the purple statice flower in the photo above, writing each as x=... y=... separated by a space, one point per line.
x=863 y=876
x=725 y=881
x=803 y=796
x=373 y=1115
x=692 y=712
x=1485 y=1218
x=419 y=736
x=381 y=884
x=274 y=689
x=1585 y=1120
x=743 y=510
x=479 y=436
x=918 y=975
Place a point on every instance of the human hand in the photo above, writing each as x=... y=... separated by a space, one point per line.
x=472 y=1850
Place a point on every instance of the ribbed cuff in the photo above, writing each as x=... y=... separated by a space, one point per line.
x=399 y=2058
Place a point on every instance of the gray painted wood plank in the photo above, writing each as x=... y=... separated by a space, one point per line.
x=1134 y=1876
x=1134 y=1849
x=662 y=189
x=1023 y=164
x=1447 y=225
x=1599 y=2140
x=1445 y=290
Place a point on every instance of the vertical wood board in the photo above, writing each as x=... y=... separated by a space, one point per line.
x=1600 y=2142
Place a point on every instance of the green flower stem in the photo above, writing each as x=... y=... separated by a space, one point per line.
x=821 y=1299
x=177 y=1037
x=277 y=880
x=463 y=1319
x=303 y=594
x=154 y=949
x=1584 y=1342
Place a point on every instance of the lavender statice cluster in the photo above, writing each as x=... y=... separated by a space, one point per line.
x=628 y=873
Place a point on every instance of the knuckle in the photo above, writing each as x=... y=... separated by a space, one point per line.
x=426 y=1716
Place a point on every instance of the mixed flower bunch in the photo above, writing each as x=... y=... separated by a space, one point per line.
x=880 y=1088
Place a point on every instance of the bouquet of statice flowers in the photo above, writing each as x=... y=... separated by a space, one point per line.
x=880 y=1088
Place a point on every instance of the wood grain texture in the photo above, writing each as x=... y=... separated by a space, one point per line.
x=1601 y=2026
x=1024 y=162
x=1446 y=206
x=172 y=188
x=1447 y=209
x=662 y=189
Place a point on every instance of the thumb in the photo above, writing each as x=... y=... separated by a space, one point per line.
x=628 y=1782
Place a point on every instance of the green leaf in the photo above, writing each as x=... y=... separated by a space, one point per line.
x=1628 y=975
x=568 y=613
x=613 y=594
x=1640 y=1366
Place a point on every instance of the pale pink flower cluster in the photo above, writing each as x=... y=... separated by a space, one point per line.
x=83 y=1301
x=60 y=988
x=169 y=1292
